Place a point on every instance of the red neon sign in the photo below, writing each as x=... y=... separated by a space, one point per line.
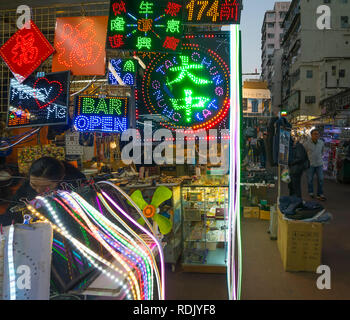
x=25 y=51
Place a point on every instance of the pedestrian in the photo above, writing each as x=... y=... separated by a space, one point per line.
x=314 y=148
x=298 y=163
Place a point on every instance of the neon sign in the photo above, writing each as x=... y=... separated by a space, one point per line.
x=80 y=45
x=25 y=51
x=190 y=90
x=125 y=70
x=145 y=25
x=109 y=114
x=212 y=11
x=39 y=101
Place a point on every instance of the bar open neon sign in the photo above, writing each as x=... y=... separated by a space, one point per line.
x=107 y=114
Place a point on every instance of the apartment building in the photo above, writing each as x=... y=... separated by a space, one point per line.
x=271 y=50
x=315 y=61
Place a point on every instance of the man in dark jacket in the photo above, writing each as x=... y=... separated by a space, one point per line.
x=297 y=164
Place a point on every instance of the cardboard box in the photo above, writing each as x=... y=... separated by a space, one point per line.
x=251 y=212
x=300 y=244
x=264 y=215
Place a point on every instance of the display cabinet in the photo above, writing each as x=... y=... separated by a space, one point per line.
x=205 y=228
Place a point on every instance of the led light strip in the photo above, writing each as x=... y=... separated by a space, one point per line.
x=89 y=254
x=234 y=184
x=151 y=235
x=117 y=256
x=142 y=241
x=11 y=263
x=76 y=200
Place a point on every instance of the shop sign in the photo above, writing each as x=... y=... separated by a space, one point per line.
x=122 y=72
x=39 y=101
x=145 y=25
x=212 y=11
x=25 y=51
x=103 y=114
x=80 y=45
x=190 y=90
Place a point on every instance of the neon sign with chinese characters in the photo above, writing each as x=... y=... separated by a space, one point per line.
x=145 y=25
x=25 y=51
x=212 y=11
x=109 y=114
x=80 y=45
x=124 y=69
x=39 y=101
x=190 y=90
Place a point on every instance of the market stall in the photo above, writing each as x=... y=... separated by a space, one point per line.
x=102 y=88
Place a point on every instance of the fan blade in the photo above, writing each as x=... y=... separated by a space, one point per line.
x=137 y=197
x=141 y=221
x=165 y=225
x=160 y=195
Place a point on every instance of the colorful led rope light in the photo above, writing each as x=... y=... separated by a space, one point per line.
x=151 y=235
x=83 y=203
x=98 y=235
x=86 y=251
x=91 y=209
x=234 y=291
x=89 y=254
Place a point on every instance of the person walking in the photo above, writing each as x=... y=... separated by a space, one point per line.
x=314 y=148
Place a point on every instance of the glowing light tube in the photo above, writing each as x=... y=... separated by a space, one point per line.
x=154 y=238
x=234 y=182
x=11 y=263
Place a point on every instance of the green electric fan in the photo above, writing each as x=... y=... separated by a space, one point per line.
x=161 y=195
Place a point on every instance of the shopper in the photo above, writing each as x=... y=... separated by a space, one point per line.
x=45 y=174
x=298 y=163
x=314 y=148
x=261 y=150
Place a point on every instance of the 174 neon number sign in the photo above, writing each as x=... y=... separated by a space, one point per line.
x=213 y=11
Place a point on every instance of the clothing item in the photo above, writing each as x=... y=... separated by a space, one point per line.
x=310 y=179
x=295 y=185
x=314 y=152
x=288 y=205
x=298 y=161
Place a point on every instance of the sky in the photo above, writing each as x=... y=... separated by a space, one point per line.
x=251 y=22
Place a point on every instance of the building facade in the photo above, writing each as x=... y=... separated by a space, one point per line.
x=271 y=36
x=316 y=57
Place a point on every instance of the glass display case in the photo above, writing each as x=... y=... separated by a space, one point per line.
x=205 y=226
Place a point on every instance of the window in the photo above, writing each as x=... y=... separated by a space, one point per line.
x=309 y=74
x=334 y=71
x=310 y=99
x=271 y=46
x=282 y=14
x=270 y=25
x=281 y=24
x=342 y=73
x=344 y=21
x=270 y=35
x=271 y=16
